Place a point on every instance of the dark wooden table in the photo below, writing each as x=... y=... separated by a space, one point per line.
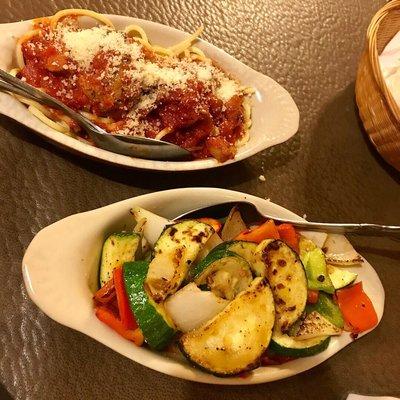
x=328 y=171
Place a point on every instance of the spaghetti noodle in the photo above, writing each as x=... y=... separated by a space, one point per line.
x=127 y=85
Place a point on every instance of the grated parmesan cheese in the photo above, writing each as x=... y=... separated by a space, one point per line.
x=83 y=45
x=147 y=101
x=227 y=89
x=154 y=77
x=154 y=74
x=204 y=74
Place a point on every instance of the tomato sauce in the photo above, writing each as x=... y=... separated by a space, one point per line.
x=197 y=119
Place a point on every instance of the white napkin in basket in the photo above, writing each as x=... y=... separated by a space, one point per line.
x=390 y=66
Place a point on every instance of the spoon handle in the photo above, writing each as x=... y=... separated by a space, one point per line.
x=251 y=214
x=355 y=229
x=133 y=146
x=14 y=85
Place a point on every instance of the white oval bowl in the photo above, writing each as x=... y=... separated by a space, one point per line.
x=66 y=255
x=275 y=114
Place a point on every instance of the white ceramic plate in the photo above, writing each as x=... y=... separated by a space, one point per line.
x=60 y=270
x=275 y=115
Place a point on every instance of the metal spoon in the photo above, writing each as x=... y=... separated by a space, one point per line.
x=134 y=146
x=250 y=214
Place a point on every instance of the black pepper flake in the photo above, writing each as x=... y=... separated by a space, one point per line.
x=265 y=257
x=198 y=238
x=173 y=231
x=321 y=278
x=280 y=286
x=274 y=245
x=354 y=335
x=281 y=263
x=264 y=282
x=284 y=327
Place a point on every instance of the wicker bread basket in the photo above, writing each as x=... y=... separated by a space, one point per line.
x=378 y=110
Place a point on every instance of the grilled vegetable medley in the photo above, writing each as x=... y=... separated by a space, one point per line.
x=229 y=296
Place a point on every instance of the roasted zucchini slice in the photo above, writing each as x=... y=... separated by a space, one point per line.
x=158 y=329
x=246 y=250
x=234 y=340
x=174 y=252
x=118 y=248
x=314 y=263
x=224 y=273
x=340 y=277
x=284 y=345
x=288 y=281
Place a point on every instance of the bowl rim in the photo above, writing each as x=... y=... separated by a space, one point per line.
x=291 y=113
x=95 y=329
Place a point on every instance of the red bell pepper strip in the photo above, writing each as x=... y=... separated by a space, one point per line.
x=289 y=235
x=312 y=296
x=106 y=293
x=357 y=308
x=269 y=358
x=267 y=230
x=106 y=316
x=125 y=312
x=213 y=222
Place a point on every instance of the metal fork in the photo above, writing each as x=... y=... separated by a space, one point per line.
x=134 y=146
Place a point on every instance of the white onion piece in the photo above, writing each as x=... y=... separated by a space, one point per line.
x=339 y=251
x=212 y=242
x=154 y=224
x=233 y=225
x=190 y=307
x=318 y=238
